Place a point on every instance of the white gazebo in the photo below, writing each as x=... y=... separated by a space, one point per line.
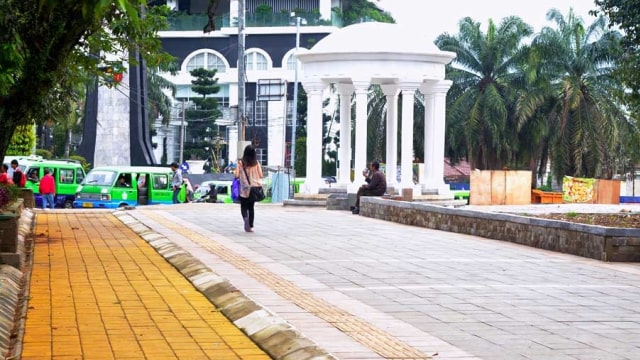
x=398 y=58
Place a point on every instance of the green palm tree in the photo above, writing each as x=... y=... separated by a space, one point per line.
x=486 y=80
x=159 y=102
x=584 y=117
x=376 y=124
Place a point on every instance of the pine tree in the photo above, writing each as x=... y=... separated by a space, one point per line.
x=201 y=126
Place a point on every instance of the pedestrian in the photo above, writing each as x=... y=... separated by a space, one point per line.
x=19 y=178
x=206 y=167
x=212 y=195
x=4 y=176
x=376 y=184
x=189 y=190
x=47 y=189
x=184 y=167
x=249 y=172
x=142 y=181
x=176 y=182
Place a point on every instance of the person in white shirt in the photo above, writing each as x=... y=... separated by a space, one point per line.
x=176 y=182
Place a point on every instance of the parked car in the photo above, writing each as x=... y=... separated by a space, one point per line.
x=223 y=187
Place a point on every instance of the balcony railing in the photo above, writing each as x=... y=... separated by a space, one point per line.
x=185 y=22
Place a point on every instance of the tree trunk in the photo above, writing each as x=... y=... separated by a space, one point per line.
x=67 y=144
x=7 y=128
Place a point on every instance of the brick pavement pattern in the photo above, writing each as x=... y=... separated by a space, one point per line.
x=98 y=291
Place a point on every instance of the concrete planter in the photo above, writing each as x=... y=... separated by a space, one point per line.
x=590 y=241
x=11 y=246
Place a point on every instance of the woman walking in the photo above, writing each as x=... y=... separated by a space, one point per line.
x=250 y=174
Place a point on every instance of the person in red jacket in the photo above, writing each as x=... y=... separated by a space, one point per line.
x=4 y=176
x=47 y=189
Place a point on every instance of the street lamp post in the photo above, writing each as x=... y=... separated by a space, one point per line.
x=182 y=132
x=241 y=72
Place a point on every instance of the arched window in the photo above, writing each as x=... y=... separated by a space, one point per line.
x=288 y=59
x=207 y=60
x=291 y=63
x=256 y=60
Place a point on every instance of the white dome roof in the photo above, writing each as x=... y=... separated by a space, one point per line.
x=375 y=37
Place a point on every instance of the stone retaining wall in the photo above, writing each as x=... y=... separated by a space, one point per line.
x=16 y=239
x=596 y=242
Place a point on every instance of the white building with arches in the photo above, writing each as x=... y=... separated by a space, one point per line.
x=269 y=56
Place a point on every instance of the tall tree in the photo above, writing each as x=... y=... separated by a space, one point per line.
x=626 y=15
x=159 y=103
x=201 y=120
x=355 y=11
x=49 y=46
x=585 y=116
x=376 y=124
x=480 y=121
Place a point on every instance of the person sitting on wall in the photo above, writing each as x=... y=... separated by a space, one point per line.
x=376 y=184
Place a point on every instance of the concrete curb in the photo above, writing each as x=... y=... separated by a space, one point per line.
x=11 y=286
x=271 y=333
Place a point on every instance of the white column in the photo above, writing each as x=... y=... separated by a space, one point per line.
x=113 y=133
x=233 y=14
x=435 y=96
x=344 y=156
x=276 y=133
x=325 y=9
x=361 y=90
x=314 y=136
x=391 y=91
x=406 y=167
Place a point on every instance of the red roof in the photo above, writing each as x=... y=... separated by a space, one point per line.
x=460 y=169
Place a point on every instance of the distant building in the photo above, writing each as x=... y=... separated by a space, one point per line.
x=270 y=40
x=456 y=173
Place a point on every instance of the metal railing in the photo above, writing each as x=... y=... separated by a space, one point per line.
x=186 y=22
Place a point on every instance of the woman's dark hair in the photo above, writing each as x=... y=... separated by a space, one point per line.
x=376 y=165
x=249 y=156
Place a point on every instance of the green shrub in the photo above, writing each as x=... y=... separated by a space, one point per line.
x=85 y=165
x=8 y=194
x=22 y=141
x=46 y=154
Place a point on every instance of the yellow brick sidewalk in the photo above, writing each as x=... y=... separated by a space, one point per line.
x=98 y=291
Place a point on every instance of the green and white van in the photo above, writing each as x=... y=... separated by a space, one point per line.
x=68 y=175
x=141 y=185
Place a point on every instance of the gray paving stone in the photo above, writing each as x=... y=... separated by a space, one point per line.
x=488 y=299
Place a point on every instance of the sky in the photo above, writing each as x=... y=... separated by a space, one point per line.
x=437 y=17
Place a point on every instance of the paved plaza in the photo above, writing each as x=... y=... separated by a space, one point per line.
x=367 y=289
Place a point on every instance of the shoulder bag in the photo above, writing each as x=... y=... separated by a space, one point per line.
x=256 y=193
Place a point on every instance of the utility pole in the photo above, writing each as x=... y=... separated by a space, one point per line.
x=241 y=72
x=182 y=132
x=284 y=128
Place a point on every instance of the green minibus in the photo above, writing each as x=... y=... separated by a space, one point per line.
x=68 y=175
x=119 y=186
